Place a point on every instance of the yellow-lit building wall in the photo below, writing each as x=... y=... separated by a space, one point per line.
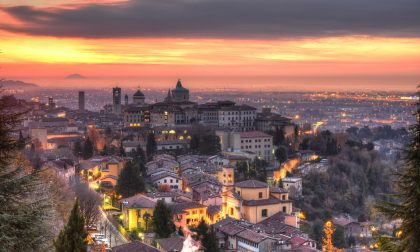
x=133 y=221
x=191 y=217
x=252 y=193
x=253 y=214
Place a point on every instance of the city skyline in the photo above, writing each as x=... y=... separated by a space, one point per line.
x=275 y=45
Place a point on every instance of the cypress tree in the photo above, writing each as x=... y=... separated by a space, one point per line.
x=151 y=145
x=139 y=155
x=122 y=151
x=407 y=204
x=73 y=237
x=130 y=181
x=162 y=222
x=87 y=149
x=77 y=149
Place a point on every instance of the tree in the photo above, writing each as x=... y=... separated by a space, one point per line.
x=87 y=149
x=21 y=142
x=122 y=151
x=278 y=136
x=130 y=181
x=24 y=205
x=151 y=145
x=89 y=202
x=162 y=222
x=207 y=236
x=73 y=237
x=180 y=232
x=210 y=241
x=407 y=204
x=105 y=151
x=281 y=154
x=195 y=142
x=202 y=228
x=327 y=239
x=146 y=218
x=209 y=145
x=339 y=238
x=77 y=149
x=139 y=155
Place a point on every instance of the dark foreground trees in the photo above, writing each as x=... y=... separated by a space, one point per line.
x=407 y=204
x=24 y=203
x=73 y=237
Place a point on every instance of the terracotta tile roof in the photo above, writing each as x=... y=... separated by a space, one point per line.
x=261 y=202
x=171 y=244
x=138 y=201
x=254 y=134
x=251 y=236
x=135 y=246
x=181 y=207
x=278 y=190
x=164 y=175
x=231 y=229
x=251 y=184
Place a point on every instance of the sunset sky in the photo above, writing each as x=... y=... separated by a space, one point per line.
x=248 y=44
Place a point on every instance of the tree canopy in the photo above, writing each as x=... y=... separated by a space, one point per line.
x=162 y=222
x=130 y=181
x=406 y=204
x=73 y=237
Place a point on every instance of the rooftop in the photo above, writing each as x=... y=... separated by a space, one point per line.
x=254 y=134
x=171 y=244
x=135 y=246
x=181 y=207
x=138 y=201
x=251 y=184
x=261 y=202
x=251 y=236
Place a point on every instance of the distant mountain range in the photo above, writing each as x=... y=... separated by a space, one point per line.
x=17 y=84
x=75 y=76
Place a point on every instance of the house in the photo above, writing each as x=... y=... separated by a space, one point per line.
x=63 y=168
x=112 y=166
x=172 y=145
x=137 y=212
x=167 y=197
x=135 y=246
x=187 y=214
x=89 y=169
x=293 y=184
x=252 y=201
x=256 y=142
x=272 y=234
x=171 y=180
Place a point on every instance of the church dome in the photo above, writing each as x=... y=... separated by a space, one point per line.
x=138 y=94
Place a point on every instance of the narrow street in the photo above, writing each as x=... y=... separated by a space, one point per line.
x=111 y=232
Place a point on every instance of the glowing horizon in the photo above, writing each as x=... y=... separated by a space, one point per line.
x=370 y=59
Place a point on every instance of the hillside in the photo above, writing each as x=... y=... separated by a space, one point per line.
x=16 y=84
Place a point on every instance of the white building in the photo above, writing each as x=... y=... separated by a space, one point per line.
x=170 y=179
x=256 y=142
x=237 y=117
x=293 y=183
